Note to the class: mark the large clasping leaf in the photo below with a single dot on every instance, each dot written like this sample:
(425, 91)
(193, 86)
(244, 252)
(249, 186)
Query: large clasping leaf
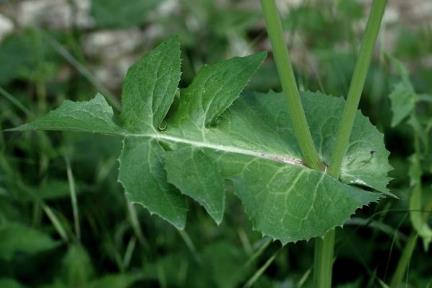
(213, 135)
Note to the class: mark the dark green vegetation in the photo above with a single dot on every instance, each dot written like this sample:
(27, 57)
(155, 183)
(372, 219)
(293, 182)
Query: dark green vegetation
(65, 221)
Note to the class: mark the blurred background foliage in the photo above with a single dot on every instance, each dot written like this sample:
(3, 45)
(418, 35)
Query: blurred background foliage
(64, 221)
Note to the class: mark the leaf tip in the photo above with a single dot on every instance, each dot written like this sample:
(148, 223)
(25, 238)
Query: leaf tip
(24, 127)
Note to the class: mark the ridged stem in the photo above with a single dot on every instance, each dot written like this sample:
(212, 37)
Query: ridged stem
(289, 86)
(324, 247)
(356, 87)
(323, 260)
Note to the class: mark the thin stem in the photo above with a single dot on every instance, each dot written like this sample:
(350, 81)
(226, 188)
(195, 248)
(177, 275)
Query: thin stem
(324, 248)
(404, 261)
(74, 200)
(323, 260)
(356, 87)
(190, 245)
(60, 49)
(41, 93)
(260, 271)
(15, 101)
(289, 86)
(129, 252)
(55, 221)
(135, 222)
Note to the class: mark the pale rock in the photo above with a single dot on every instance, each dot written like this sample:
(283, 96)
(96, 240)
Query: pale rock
(83, 17)
(111, 75)
(6, 26)
(112, 44)
(54, 14)
(168, 7)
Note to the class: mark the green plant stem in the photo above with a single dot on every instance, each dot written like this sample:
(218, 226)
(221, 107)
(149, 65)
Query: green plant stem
(324, 248)
(404, 261)
(323, 259)
(74, 199)
(356, 87)
(260, 271)
(289, 86)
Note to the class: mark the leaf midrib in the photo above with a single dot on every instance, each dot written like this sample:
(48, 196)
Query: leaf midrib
(281, 158)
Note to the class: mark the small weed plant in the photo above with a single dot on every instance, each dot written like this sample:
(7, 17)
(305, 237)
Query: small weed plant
(404, 101)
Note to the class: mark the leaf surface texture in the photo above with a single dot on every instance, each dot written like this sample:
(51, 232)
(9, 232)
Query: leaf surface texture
(213, 135)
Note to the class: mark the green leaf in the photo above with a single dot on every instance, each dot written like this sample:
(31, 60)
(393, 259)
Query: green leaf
(295, 203)
(403, 97)
(403, 100)
(17, 238)
(121, 14)
(114, 281)
(366, 161)
(224, 263)
(214, 89)
(197, 175)
(213, 136)
(9, 283)
(26, 55)
(143, 177)
(48, 190)
(52, 189)
(417, 216)
(94, 116)
(150, 87)
(77, 267)
(418, 220)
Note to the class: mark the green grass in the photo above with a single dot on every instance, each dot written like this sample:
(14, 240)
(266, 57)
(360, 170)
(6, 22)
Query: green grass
(122, 245)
